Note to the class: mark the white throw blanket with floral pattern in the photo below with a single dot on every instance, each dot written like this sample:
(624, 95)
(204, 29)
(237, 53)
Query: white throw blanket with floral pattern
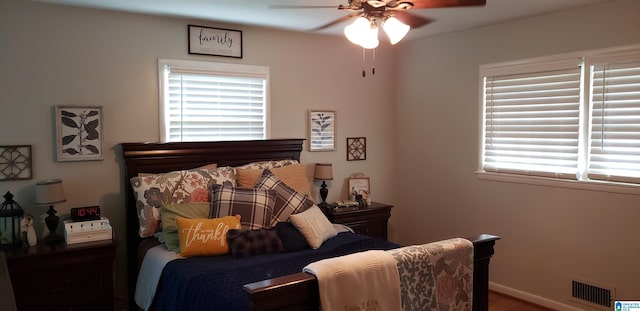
(361, 281)
(436, 276)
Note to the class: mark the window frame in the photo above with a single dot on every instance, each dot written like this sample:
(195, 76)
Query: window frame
(533, 64)
(240, 70)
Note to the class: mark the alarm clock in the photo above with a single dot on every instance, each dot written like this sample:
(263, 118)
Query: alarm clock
(85, 213)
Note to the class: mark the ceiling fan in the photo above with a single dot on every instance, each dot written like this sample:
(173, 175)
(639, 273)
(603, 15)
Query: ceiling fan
(392, 15)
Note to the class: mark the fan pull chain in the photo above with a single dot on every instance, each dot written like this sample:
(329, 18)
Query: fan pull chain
(364, 62)
(373, 62)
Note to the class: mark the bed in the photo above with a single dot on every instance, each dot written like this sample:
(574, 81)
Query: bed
(292, 291)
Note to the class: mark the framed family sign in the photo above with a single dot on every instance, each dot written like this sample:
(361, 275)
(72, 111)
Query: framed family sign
(215, 41)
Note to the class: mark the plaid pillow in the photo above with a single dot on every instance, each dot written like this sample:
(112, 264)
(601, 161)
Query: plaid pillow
(288, 201)
(255, 206)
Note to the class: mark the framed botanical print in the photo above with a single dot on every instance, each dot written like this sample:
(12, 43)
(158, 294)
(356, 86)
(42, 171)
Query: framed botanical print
(356, 148)
(79, 133)
(322, 130)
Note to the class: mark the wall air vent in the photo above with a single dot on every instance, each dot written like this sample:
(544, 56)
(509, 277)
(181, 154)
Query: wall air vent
(597, 296)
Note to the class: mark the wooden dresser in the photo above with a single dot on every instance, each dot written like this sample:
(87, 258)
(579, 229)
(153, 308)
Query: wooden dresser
(370, 220)
(63, 277)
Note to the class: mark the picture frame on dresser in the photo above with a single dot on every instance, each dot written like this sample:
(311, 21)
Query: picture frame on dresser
(361, 185)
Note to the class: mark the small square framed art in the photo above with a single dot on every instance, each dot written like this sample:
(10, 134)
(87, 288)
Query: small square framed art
(356, 148)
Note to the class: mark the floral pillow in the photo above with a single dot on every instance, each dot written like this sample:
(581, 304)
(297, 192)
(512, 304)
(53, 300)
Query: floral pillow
(268, 164)
(176, 187)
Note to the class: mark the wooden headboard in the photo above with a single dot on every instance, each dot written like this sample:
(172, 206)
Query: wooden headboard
(166, 157)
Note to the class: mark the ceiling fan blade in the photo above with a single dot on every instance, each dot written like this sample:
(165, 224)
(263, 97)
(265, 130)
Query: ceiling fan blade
(338, 21)
(294, 6)
(432, 4)
(415, 21)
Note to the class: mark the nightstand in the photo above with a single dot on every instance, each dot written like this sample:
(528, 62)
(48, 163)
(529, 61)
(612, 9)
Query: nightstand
(58, 276)
(370, 220)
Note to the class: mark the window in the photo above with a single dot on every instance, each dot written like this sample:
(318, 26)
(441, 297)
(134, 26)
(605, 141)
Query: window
(573, 117)
(205, 101)
(615, 121)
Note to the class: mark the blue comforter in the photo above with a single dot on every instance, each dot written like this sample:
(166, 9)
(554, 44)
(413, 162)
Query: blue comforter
(215, 283)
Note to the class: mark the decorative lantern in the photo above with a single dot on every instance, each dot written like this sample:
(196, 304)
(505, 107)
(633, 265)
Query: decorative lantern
(10, 217)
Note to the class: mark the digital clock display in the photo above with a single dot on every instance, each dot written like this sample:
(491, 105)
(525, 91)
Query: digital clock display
(85, 213)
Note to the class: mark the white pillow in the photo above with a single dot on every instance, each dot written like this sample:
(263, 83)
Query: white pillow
(314, 226)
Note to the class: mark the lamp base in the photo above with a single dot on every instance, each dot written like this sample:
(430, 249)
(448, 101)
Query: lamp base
(52, 238)
(52, 224)
(323, 194)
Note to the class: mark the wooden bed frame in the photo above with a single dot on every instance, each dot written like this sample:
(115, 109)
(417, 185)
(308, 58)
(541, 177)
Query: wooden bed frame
(292, 292)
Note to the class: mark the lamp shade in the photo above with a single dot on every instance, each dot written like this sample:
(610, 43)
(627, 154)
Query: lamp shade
(395, 29)
(49, 192)
(363, 33)
(354, 31)
(324, 171)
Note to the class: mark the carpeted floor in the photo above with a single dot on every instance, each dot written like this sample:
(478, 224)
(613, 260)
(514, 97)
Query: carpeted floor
(501, 302)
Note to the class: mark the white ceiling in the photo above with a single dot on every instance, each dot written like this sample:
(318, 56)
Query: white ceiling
(258, 12)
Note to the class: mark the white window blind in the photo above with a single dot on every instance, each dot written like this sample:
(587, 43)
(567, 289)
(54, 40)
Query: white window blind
(615, 122)
(532, 122)
(204, 101)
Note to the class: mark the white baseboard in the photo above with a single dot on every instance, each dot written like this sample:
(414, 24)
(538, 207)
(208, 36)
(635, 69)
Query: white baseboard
(541, 301)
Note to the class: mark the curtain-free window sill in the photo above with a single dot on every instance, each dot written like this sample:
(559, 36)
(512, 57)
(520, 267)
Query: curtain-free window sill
(591, 185)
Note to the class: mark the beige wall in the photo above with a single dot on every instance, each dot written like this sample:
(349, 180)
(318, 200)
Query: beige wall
(549, 235)
(55, 55)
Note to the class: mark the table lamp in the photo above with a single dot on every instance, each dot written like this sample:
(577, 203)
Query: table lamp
(50, 192)
(323, 171)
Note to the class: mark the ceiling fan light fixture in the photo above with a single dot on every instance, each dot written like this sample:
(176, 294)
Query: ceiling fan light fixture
(370, 38)
(354, 31)
(363, 33)
(395, 29)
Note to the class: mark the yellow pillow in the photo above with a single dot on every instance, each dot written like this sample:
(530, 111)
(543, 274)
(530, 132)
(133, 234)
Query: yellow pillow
(205, 237)
(168, 214)
(294, 176)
